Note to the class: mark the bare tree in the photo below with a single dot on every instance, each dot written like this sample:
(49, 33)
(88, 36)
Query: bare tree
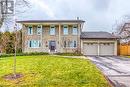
(17, 7)
(21, 6)
(122, 28)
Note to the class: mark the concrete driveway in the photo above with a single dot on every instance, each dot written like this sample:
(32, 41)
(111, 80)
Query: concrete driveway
(117, 69)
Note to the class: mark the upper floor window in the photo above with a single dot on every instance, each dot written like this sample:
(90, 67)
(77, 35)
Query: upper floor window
(39, 29)
(34, 44)
(75, 30)
(30, 30)
(52, 30)
(65, 30)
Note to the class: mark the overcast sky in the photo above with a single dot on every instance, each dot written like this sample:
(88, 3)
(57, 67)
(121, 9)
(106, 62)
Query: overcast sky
(100, 15)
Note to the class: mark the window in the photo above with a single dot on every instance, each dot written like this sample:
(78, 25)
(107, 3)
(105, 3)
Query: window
(30, 30)
(65, 30)
(72, 44)
(75, 30)
(75, 44)
(39, 30)
(52, 30)
(34, 43)
(65, 44)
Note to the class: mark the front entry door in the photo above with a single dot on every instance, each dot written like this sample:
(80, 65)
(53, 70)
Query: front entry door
(52, 45)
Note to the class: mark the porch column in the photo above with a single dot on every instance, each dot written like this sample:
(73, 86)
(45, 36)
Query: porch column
(115, 48)
(98, 48)
(59, 37)
(78, 37)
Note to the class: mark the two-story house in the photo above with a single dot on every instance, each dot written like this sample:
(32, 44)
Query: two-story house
(51, 35)
(63, 36)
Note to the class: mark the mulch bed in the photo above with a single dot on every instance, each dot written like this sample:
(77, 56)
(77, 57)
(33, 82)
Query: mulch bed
(12, 76)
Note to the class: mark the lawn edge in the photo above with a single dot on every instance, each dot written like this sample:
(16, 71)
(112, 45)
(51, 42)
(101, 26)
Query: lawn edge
(111, 84)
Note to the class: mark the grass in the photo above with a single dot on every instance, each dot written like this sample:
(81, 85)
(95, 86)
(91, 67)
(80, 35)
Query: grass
(70, 54)
(51, 71)
(128, 56)
(24, 54)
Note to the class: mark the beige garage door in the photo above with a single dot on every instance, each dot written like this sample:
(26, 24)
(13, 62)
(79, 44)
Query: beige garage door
(106, 49)
(90, 49)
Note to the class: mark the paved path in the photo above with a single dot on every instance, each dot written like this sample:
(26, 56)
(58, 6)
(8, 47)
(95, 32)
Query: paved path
(117, 69)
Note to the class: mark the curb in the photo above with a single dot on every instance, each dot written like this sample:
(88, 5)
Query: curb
(112, 84)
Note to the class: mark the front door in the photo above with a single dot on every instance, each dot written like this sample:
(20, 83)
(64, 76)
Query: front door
(52, 45)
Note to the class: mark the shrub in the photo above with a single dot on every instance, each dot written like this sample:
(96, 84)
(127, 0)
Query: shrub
(70, 54)
(24, 54)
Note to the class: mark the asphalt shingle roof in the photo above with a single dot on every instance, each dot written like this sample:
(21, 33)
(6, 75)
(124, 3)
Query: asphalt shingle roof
(97, 35)
(48, 21)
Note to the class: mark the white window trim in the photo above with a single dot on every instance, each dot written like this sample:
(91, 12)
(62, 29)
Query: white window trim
(52, 28)
(40, 29)
(68, 45)
(73, 30)
(66, 28)
(28, 30)
(33, 40)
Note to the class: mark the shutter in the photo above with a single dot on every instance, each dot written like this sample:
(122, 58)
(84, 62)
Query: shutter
(28, 43)
(31, 30)
(28, 31)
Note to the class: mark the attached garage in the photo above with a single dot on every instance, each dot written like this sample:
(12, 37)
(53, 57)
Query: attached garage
(106, 48)
(92, 48)
(98, 43)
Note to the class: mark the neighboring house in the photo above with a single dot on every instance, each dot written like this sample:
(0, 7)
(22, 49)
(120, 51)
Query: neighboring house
(51, 35)
(98, 43)
(125, 33)
(64, 36)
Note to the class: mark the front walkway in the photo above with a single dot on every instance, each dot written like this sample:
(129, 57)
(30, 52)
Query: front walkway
(117, 69)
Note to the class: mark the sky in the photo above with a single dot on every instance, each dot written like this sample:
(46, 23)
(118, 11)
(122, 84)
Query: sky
(100, 15)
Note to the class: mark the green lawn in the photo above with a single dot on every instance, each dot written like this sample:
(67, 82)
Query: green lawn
(128, 56)
(51, 71)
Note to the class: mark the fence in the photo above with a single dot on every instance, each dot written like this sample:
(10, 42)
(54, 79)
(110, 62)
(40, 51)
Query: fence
(124, 50)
